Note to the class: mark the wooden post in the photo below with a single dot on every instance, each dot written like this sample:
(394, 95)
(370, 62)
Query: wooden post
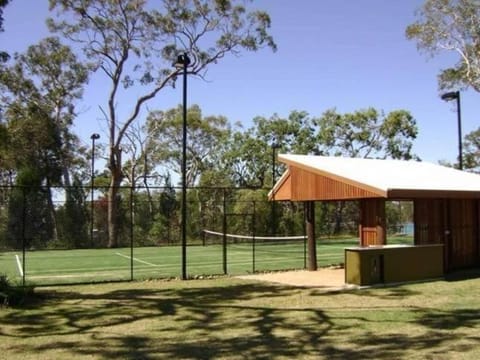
(311, 241)
(372, 222)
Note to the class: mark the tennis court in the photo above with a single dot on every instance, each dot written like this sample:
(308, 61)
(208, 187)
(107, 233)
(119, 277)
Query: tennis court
(47, 267)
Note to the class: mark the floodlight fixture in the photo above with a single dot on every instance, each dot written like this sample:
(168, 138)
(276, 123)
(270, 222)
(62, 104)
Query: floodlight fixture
(449, 96)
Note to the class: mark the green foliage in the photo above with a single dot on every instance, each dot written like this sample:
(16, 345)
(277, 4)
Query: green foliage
(250, 213)
(451, 26)
(206, 138)
(39, 89)
(74, 219)
(248, 159)
(398, 213)
(12, 295)
(3, 3)
(34, 146)
(471, 151)
(367, 133)
(245, 160)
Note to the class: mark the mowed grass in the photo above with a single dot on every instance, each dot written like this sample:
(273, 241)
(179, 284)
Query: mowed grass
(229, 318)
(48, 267)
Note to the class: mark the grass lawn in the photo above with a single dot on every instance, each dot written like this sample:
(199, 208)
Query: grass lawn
(228, 318)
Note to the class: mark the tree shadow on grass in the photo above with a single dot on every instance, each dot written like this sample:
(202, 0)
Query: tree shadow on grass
(386, 292)
(237, 321)
(451, 320)
(209, 321)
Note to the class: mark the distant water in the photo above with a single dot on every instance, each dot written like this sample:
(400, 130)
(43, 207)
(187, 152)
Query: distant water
(408, 228)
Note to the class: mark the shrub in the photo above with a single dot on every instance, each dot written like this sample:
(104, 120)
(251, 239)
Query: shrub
(11, 295)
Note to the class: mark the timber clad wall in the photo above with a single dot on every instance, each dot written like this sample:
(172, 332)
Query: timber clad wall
(429, 218)
(463, 234)
(452, 222)
(306, 185)
(284, 192)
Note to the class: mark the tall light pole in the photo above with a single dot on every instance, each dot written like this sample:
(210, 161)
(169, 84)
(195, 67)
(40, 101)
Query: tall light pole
(182, 63)
(94, 137)
(455, 95)
(274, 215)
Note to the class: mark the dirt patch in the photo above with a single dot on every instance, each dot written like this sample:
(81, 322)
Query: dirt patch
(325, 278)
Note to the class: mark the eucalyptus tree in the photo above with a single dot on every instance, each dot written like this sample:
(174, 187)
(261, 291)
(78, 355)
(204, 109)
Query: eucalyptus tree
(367, 133)
(34, 145)
(209, 135)
(451, 26)
(139, 171)
(3, 3)
(3, 54)
(49, 78)
(245, 160)
(471, 149)
(134, 42)
(294, 134)
(39, 89)
(250, 161)
(250, 154)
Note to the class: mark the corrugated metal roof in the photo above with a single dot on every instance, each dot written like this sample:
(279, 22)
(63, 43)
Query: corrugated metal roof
(388, 175)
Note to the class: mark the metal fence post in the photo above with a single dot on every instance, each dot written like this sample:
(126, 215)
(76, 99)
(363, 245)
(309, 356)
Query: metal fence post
(224, 233)
(24, 240)
(304, 238)
(131, 233)
(253, 238)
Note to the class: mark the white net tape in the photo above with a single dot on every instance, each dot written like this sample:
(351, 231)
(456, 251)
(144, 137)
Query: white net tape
(250, 237)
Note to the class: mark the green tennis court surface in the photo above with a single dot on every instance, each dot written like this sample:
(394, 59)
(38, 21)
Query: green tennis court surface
(93, 265)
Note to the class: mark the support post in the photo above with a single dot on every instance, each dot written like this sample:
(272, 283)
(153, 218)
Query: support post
(311, 241)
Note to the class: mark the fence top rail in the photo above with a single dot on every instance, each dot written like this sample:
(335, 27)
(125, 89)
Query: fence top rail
(237, 236)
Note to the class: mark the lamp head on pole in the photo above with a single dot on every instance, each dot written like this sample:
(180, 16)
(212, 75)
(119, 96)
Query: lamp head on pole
(453, 95)
(95, 136)
(182, 61)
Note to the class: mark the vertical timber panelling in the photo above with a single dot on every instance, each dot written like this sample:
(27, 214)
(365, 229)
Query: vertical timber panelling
(302, 184)
(372, 222)
(429, 219)
(464, 247)
(431, 225)
(306, 186)
(284, 192)
(477, 230)
(452, 222)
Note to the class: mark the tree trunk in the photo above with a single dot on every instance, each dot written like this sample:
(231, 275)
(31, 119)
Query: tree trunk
(339, 206)
(117, 176)
(149, 199)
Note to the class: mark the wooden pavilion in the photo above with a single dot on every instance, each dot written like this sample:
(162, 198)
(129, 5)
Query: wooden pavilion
(446, 201)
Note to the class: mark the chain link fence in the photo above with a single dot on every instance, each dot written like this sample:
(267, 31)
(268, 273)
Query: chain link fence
(60, 235)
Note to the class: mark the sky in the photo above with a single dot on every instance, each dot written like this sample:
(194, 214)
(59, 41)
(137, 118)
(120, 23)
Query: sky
(342, 54)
